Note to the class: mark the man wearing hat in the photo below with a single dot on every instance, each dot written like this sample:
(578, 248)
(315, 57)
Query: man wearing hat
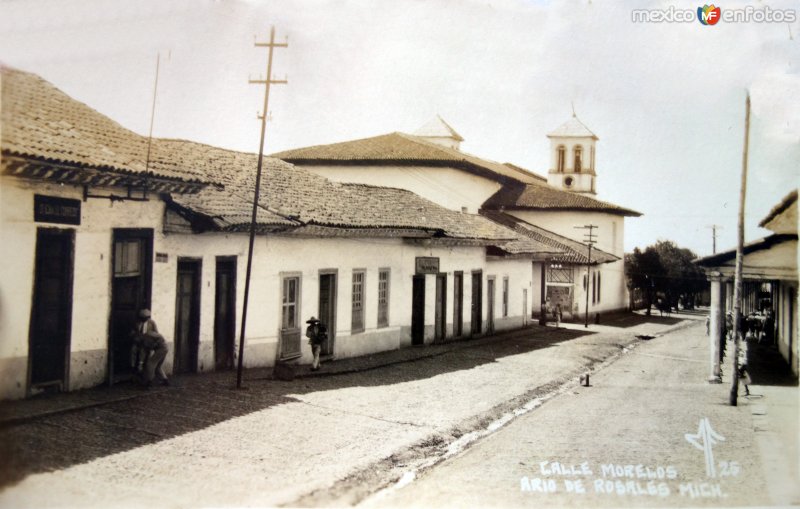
(149, 349)
(316, 334)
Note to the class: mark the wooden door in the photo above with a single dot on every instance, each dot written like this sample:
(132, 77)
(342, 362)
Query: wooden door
(130, 292)
(477, 303)
(440, 315)
(187, 316)
(225, 313)
(51, 314)
(458, 303)
(418, 311)
(490, 306)
(327, 310)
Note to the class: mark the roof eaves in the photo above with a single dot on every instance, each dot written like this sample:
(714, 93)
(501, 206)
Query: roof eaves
(778, 209)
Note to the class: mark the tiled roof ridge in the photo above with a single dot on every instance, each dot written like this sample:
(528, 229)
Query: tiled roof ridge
(590, 203)
(526, 171)
(281, 154)
(590, 198)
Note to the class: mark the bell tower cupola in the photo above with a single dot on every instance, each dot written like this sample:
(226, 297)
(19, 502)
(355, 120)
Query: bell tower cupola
(438, 131)
(572, 148)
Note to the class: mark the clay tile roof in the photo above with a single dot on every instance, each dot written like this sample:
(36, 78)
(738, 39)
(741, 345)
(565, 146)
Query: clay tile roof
(43, 123)
(438, 128)
(536, 240)
(404, 149)
(404, 208)
(544, 197)
(291, 196)
(572, 128)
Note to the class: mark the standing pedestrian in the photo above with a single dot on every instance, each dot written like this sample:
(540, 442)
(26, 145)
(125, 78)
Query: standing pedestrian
(316, 334)
(558, 315)
(149, 350)
(744, 377)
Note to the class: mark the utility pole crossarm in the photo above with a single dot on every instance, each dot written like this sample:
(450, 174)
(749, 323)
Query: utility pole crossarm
(256, 191)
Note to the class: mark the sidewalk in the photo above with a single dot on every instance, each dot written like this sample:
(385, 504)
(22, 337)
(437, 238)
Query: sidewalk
(16, 412)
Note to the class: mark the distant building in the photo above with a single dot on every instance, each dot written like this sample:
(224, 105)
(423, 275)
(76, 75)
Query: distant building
(545, 211)
(91, 232)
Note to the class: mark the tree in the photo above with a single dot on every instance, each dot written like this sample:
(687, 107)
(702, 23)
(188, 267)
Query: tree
(666, 269)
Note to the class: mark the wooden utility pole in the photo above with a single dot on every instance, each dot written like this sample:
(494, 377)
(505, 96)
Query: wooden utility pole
(737, 285)
(714, 228)
(267, 82)
(590, 239)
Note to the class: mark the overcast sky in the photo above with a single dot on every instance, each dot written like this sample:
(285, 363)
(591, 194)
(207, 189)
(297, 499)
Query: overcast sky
(666, 99)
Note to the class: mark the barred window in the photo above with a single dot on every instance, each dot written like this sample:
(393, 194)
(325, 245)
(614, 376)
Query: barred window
(558, 274)
(383, 298)
(598, 287)
(358, 301)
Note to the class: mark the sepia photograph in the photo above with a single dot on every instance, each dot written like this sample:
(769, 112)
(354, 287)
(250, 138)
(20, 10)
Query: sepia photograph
(399, 254)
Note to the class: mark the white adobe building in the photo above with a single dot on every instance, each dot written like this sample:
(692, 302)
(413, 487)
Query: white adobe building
(543, 210)
(91, 232)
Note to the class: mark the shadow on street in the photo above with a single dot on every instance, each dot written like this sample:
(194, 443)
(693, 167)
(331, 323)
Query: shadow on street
(54, 442)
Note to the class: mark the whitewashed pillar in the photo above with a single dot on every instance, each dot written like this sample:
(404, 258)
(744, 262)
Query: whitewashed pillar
(716, 326)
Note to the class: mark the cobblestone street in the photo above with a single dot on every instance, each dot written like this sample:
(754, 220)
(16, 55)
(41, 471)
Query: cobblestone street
(203, 443)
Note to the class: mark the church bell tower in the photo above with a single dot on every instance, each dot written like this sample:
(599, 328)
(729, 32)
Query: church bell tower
(572, 148)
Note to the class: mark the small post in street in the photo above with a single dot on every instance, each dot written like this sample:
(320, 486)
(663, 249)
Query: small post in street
(590, 239)
(737, 284)
(267, 82)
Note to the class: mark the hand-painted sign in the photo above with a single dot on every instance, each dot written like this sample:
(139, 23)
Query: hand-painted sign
(51, 209)
(427, 265)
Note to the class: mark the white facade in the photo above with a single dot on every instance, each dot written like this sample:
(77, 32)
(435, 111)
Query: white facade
(611, 293)
(275, 257)
(449, 187)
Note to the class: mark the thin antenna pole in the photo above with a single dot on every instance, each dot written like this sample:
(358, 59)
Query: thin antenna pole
(737, 284)
(268, 81)
(152, 119)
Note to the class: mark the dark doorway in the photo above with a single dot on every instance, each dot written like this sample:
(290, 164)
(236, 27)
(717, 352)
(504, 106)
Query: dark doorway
(187, 316)
(225, 313)
(458, 303)
(51, 314)
(132, 264)
(490, 306)
(440, 315)
(327, 310)
(418, 311)
(477, 303)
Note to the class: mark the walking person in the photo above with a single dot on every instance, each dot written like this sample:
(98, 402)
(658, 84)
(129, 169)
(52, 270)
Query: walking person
(557, 312)
(149, 350)
(316, 334)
